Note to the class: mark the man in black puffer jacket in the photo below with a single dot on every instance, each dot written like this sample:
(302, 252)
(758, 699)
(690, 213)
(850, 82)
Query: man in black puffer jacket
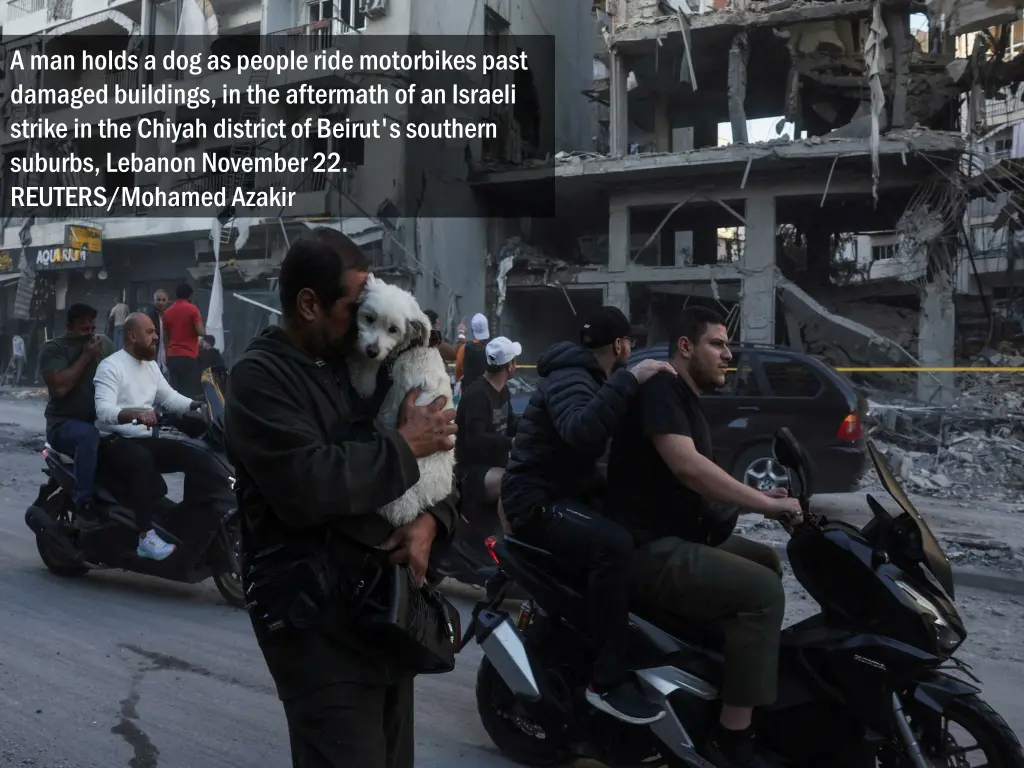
(551, 488)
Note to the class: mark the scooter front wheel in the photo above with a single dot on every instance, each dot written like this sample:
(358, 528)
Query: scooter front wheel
(511, 729)
(227, 570)
(969, 725)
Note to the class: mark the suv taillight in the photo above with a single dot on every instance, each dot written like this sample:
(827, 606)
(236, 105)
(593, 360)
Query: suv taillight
(491, 541)
(851, 429)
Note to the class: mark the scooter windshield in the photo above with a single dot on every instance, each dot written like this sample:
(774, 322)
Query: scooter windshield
(935, 558)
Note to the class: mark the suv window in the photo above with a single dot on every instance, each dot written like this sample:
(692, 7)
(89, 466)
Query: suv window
(790, 378)
(741, 380)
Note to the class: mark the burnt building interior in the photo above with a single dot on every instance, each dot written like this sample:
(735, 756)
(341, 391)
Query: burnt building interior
(661, 213)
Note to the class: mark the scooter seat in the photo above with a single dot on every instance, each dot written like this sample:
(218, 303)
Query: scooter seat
(543, 563)
(63, 457)
(536, 555)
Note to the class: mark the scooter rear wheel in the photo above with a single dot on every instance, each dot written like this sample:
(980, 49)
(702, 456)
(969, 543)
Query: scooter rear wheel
(56, 560)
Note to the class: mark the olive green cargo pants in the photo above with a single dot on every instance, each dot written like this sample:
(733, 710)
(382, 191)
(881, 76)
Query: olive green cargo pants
(738, 583)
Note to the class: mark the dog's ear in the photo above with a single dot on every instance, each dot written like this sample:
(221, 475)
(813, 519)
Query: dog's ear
(370, 282)
(418, 329)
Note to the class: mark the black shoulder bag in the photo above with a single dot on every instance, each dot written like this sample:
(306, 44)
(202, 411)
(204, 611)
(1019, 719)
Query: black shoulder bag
(415, 626)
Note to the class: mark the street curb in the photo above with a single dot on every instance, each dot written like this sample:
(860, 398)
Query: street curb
(973, 578)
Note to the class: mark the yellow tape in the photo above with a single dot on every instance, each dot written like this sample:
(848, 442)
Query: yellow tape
(960, 369)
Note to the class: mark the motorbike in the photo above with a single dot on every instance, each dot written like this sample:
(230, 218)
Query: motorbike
(870, 680)
(205, 525)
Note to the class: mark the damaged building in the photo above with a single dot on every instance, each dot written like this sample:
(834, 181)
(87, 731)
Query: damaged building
(659, 212)
(382, 195)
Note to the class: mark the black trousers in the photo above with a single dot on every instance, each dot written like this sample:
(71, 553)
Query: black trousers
(132, 468)
(353, 725)
(185, 376)
(604, 549)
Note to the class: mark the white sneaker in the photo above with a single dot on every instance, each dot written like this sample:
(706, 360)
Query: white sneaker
(152, 547)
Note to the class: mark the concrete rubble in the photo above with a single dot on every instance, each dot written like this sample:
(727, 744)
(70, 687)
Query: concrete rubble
(972, 450)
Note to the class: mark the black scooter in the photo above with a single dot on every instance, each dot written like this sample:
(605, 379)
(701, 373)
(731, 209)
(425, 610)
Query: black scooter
(205, 525)
(869, 681)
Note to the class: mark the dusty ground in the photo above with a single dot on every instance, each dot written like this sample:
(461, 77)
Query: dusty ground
(981, 535)
(117, 670)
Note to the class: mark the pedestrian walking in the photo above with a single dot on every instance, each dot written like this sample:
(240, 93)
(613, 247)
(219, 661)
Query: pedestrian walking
(156, 314)
(118, 314)
(18, 357)
(183, 326)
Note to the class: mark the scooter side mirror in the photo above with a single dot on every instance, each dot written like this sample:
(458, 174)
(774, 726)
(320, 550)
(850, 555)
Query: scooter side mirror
(787, 450)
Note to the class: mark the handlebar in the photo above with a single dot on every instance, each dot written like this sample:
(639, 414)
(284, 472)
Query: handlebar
(169, 419)
(163, 420)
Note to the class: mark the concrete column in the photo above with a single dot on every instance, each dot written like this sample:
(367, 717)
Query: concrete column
(937, 339)
(662, 126)
(618, 111)
(618, 296)
(618, 236)
(757, 302)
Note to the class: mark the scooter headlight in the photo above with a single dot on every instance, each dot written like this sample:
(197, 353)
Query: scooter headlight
(946, 637)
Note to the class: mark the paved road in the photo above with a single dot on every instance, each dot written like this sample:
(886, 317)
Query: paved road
(117, 670)
(120, 670)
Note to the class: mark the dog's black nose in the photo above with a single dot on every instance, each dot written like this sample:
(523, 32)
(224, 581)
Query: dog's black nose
(372, 350)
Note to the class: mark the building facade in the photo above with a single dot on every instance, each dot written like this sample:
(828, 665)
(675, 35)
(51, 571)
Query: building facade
(443, 258)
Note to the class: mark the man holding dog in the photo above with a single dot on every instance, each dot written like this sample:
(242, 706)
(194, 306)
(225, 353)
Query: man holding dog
(311, 476)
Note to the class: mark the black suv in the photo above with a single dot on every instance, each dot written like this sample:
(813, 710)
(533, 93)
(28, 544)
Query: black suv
(768, 388)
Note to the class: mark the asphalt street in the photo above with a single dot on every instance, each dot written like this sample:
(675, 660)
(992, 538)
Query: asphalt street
(116, 670)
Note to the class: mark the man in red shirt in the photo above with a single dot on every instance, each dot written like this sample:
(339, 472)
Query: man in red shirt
(183, 326)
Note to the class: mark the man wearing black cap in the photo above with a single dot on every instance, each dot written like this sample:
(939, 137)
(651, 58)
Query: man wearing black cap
(552, 486)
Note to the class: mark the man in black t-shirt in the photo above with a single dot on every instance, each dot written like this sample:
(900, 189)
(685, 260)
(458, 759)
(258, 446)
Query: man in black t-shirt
(68, 364)
(681, 509)
(486, 428)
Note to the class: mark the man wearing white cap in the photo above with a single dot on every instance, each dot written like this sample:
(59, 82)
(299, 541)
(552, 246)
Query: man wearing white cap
(486, 428)
(471, 361)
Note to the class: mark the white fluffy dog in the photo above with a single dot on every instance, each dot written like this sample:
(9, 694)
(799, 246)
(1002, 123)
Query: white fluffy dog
(394, 331)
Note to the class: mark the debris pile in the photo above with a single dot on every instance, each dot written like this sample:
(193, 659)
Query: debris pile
(965, 549)
(972, 450)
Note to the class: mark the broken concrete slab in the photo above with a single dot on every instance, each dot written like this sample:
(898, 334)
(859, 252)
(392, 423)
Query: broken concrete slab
(960, 17)
(858, 343)
(651, 23)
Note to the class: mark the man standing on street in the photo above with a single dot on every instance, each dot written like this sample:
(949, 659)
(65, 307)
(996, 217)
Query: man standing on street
(487, 426)
(449, 352)
(183, 326)
(118, 314)
(311, 475)
(68, 364)
(471, 361)
(155, 311)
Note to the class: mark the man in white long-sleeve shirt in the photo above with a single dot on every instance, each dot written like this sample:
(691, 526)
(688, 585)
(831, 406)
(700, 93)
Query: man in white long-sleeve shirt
(129, 387)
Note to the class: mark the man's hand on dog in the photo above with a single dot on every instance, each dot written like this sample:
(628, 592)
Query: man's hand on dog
(426, 428)
(410, 545)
